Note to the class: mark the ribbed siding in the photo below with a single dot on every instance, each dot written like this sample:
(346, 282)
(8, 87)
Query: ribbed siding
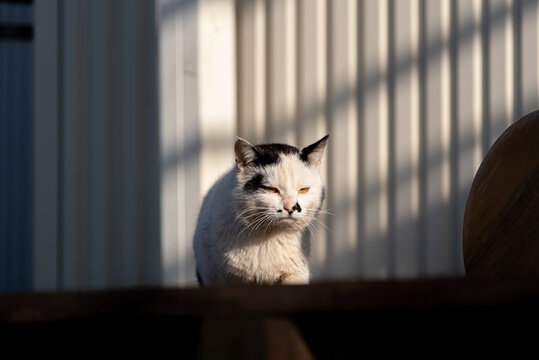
(107, 217)
(412, 93)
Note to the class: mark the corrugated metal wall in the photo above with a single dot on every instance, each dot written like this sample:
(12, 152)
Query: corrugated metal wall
(180, 142)
(413, 93)
(16, 51)
(151, 95)
(97, 154)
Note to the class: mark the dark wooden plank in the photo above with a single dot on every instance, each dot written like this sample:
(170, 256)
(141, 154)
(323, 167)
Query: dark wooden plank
(266, 300)
(321, 321)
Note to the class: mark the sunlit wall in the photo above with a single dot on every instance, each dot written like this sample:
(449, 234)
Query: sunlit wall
(144, 99)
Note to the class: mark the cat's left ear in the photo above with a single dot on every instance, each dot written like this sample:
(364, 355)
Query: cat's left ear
(245, 152)
(312, 154)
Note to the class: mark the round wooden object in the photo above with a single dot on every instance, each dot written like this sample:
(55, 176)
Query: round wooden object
(501, 221)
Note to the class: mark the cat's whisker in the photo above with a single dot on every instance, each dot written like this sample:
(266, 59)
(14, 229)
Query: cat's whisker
(316, 211)
(315, 231)
(258, 218)
(259, 222)
(270, 220)
(315, 234)
(251, 224)
(242, 213)
(324, 225)
(269, 223)
(245, 228)
(251, 208)
(312, 231)
(250, 217)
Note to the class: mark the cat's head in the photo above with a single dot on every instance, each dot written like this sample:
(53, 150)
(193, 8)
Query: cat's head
(278, 185)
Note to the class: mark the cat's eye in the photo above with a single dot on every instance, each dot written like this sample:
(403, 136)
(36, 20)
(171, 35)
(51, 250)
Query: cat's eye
(303, 190)
(272, 190)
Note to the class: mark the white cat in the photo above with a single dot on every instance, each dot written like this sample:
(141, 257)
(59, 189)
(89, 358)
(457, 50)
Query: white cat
(251, 222)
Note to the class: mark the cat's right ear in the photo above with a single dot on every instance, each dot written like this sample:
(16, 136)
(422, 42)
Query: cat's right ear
(312, 154)
(245, 152)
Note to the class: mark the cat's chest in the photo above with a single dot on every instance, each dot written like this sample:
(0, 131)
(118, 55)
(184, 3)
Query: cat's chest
(266, 260)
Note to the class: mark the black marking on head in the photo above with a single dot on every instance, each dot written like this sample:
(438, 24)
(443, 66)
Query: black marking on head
(254, 184)
(297, 207)
(269, 154)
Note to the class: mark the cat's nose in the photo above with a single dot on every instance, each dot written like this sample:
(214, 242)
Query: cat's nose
(290, 209)
(289, 202)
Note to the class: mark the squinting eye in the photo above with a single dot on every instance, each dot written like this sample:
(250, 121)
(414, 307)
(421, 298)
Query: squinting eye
(272, 190)
(303, 190)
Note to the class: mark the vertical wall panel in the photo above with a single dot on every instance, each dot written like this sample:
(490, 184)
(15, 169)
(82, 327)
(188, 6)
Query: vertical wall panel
(95, 151)
(281, 70)
(16, 152)
(122, 63)
(217, 88)
(27, 174)
(4, 188)
(479, 75)
(374, 260)
(3, 165)
(149, 133)
(182, 144)
(467, 118)
(169, 75)
(197, 176)
(179, 137)
(127, 251)
(45, 205)
(500, 76)
(12, 57)
(217, 104)
(404, 142)
(251, 69)
(71, 234)
(312, 107)
(343, 252)
(530, 56)
(437, 115)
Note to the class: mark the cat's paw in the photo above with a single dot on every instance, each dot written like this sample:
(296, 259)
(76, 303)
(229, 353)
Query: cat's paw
(292, 279)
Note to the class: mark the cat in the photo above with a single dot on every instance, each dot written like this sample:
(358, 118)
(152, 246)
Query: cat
(251, 222)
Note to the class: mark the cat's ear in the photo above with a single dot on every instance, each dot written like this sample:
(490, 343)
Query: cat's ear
(312, 154)
(245, 152)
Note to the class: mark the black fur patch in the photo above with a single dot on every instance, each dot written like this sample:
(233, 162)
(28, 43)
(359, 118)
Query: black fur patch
(269, 154)
(254, 184)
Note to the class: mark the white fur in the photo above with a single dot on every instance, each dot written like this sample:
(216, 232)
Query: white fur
(242, 238)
